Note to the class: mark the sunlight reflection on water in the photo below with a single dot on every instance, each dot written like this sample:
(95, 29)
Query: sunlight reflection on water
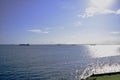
(97, 51)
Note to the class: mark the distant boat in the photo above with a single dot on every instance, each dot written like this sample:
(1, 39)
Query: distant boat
(59, 44)
(24, 44)
(73, 44)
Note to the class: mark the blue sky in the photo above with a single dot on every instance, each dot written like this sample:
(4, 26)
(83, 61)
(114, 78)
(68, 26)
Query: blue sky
(59, 21)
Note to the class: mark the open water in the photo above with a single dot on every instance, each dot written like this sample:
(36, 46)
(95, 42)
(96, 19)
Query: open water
(53, 62)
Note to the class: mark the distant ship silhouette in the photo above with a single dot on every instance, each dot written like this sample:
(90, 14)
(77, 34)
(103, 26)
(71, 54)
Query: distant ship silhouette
(24, 44)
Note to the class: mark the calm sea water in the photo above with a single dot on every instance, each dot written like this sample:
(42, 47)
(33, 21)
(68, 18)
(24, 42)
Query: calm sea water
(49, 62)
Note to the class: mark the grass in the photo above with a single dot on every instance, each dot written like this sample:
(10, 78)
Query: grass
(105, 77)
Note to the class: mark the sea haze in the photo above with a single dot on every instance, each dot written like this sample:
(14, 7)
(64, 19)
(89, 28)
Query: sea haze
(51, 62)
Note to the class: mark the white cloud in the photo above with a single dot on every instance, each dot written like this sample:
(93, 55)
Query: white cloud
(45, 32)
(101, 3)
(118, 11)
(38, 31)
(115, 32)
(99, 7)
(92, 11)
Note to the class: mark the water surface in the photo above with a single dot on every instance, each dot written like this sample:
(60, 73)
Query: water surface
(47, 62)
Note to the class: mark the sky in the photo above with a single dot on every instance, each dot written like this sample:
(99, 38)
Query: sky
(59, 21)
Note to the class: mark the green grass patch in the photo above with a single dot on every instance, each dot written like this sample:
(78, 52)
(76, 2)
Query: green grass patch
(105, 77)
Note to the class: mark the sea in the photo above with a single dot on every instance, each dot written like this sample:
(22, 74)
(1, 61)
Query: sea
(53, 62)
